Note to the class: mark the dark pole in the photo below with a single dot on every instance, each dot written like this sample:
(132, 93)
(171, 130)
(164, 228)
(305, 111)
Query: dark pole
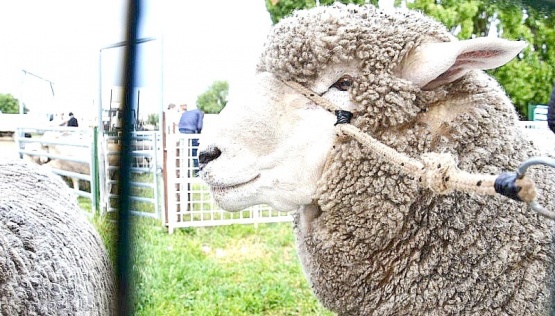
(125, 253)
(551, 111)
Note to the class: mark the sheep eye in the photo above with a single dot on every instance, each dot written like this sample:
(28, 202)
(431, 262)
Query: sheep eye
(344, 83)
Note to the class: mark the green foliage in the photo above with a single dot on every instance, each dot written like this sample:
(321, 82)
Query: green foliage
(279, 9)
(214, 99)
(153, 119)
(8, 104)
(528, 79)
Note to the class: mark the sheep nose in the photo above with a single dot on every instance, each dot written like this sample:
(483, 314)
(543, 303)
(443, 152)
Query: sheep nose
(205, 156)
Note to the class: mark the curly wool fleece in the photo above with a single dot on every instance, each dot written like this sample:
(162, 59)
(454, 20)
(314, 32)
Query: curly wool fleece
(52, 261)
(375, 242)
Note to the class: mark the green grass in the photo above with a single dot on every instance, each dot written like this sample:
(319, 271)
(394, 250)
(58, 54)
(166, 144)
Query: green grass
(226, 270)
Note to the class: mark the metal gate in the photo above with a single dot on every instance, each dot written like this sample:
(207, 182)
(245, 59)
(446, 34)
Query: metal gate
(146, 173)
(68, 151)
(189, 202)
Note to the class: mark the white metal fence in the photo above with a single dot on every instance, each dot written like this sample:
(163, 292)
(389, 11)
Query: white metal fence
(68, 152)
(189, 202)
(145, 169)
(163, 173)
(92, 158)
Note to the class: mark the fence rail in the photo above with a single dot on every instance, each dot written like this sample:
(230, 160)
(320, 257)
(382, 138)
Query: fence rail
(190, 203)
(57, 144)
(146, 173)
(164, 172)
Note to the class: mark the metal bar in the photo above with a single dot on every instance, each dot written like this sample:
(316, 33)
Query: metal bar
(94, 171)
(70, 174)
(124, 43)
(72, 144)
(55, 156)
(124, 249)
(156, 184)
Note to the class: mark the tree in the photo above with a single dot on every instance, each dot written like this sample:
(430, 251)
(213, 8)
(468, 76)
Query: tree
(153, 119)
(279, 9)
(527, 79)
(214, 99)
(8, 104)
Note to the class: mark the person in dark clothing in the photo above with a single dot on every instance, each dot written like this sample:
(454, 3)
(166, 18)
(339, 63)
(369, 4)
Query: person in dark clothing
(551, 111)
(72, 120)
(191, 122)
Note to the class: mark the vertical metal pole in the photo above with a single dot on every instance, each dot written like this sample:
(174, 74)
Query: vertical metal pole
(125, 251)
(136, 119)
(154, 135)
(17, 136)
(162, 130)
(165, 169)
(100, 124)
(95, 181)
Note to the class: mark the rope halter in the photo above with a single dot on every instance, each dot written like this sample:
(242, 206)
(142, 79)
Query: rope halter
(439, 172)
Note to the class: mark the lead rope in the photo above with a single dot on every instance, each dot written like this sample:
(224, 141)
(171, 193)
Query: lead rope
(439, 172)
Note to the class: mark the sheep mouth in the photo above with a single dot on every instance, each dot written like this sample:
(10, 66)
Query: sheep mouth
(233, 187)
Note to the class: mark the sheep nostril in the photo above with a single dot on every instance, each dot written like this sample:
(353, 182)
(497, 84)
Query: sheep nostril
(208, 155)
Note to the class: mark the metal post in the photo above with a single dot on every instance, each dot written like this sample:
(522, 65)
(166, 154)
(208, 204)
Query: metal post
(165, 169)
(125, 251)
(95, 179)
(155, 151)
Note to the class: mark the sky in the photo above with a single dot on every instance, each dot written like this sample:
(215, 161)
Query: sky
(65, 42)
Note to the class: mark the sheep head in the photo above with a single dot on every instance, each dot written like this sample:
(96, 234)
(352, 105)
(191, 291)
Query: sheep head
(390, 70)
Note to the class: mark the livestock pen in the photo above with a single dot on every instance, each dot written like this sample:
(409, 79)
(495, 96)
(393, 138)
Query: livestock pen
(70, 152)
(90, 160)
(189, 202)
(165, 179)
(165, 183)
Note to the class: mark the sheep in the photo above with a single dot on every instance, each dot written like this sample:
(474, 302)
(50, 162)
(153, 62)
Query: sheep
(63, 144)
(53, 262)
(373, 240)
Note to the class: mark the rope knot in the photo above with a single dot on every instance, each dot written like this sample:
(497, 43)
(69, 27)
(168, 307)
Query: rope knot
(436, 171)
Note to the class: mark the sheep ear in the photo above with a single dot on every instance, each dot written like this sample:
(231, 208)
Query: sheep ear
(433, 64)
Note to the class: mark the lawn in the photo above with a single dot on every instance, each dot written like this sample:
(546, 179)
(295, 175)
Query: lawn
(225, 270)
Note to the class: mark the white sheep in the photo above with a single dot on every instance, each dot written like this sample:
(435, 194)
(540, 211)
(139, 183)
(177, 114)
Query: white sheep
(52, 261)
(371, 239)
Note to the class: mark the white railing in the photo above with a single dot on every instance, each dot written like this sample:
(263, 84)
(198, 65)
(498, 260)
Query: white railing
(189, 202)
(68, 151)
(185, 200)
(145, 173)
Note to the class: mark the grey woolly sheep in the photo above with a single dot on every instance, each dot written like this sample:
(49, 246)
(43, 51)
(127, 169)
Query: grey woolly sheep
(372, 240)
(52, 261)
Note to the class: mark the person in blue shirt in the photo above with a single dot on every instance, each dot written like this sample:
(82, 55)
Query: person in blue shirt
(191, 123)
